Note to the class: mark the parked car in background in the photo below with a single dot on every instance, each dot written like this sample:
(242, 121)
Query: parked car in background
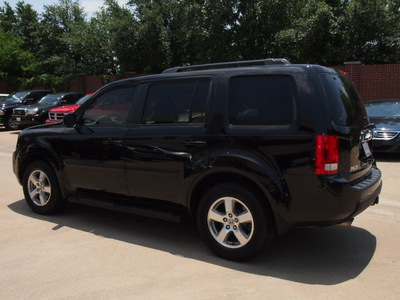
(35, 114)
(386, 116)
(3, 97)
(57, 114)
(17, 100)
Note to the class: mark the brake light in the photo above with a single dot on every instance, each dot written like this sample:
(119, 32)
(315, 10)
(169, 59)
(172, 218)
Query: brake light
(326, 155)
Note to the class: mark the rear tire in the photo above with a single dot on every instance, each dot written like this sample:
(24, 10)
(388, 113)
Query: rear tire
(232, 221)
(41, 189)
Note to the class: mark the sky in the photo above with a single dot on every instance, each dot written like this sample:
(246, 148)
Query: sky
(90, 6)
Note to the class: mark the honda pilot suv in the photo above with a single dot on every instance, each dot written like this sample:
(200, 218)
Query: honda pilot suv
(248, 149)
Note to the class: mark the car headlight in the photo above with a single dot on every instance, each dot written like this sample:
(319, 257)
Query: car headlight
(1, 112)
(32, 111)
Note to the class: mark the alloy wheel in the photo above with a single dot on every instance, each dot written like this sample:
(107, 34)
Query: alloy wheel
(39, 188)
(230, 222)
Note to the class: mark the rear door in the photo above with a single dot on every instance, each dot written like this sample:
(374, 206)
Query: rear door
(170, 145)
(349, 119)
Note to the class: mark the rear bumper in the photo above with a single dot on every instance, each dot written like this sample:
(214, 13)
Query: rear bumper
(331, 199)
(369, 189)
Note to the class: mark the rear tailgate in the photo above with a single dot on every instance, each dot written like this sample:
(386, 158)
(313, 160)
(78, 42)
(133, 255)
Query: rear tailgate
(350, 123)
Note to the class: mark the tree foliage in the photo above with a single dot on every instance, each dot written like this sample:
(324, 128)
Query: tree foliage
(147, 36)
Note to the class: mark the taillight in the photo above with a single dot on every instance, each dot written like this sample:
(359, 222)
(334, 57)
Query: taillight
(326, 155)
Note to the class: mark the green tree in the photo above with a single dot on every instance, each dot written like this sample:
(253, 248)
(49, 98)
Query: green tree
(152, 35)
(26, 25)
(16, 63)
(371, 31)
(153, 52)
(258, 22)
(57, 57)
(91, 42)
(309, 38)
(120, 30)
(7, 18)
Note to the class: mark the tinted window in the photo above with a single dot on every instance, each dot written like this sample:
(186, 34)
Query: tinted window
(83, 99)
(179, 102)
(260, 100)
(37, 96)
(345, 103)
(111, 108)
(70, 99)
(50, 99)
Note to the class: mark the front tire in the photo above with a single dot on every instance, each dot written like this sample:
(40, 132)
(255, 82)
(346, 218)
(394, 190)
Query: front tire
(9, 123)
(41, 189)
(233, 222)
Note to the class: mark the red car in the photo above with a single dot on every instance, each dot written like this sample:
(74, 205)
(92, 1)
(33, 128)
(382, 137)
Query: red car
(57, 114)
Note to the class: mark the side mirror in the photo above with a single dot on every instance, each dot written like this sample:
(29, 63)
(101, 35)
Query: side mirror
(69, 120)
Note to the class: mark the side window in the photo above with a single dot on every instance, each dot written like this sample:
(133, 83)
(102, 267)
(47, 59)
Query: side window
(177, 102)
(68, 99)
(73, 98)
(261, 100)
(111, 108)
(37, 97)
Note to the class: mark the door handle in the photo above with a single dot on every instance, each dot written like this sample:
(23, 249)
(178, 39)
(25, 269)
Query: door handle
(193, 143)
(117, 143)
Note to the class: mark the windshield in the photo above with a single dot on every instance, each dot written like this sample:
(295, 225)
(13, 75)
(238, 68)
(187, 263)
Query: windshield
(83, 99)
(17, 97)
(50, 99)
(383, 109)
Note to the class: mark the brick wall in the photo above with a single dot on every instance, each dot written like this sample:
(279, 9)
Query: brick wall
(374, 82)
(5, 88)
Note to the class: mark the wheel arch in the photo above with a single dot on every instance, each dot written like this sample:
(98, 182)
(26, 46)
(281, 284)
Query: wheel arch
(236, 177)
(40, 154)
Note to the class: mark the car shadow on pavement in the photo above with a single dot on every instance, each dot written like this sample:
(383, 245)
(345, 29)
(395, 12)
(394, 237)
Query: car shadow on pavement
(325, 256)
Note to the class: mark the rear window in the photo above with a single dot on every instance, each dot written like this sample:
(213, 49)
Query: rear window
(261, 100)
(345, 104)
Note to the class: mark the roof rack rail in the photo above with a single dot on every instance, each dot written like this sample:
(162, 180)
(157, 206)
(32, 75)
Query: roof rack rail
(233, 64)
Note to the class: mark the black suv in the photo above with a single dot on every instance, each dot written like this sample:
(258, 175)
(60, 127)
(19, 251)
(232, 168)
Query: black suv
(249, 149)
(34, 114)
(16, 100)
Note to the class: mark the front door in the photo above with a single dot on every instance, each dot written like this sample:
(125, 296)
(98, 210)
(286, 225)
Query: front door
(93, 151)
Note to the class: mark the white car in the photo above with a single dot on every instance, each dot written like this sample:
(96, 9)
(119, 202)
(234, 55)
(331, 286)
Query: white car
(3, 96)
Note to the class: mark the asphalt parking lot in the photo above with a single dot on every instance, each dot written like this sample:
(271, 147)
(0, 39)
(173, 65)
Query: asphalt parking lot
(87, 253)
